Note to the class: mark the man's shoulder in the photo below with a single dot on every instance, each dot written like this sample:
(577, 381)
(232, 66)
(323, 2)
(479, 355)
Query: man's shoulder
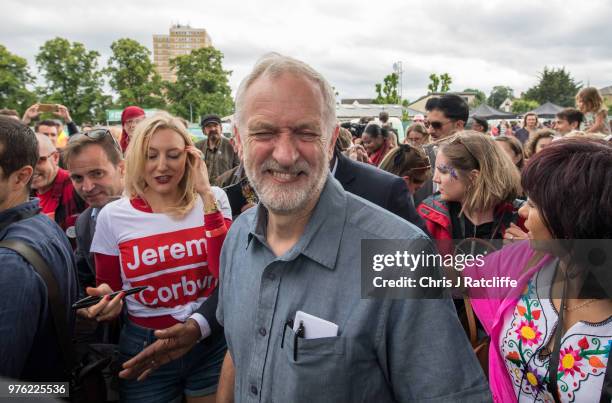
(84, 217)
(365, 171)
(44, 236)
(373, 221)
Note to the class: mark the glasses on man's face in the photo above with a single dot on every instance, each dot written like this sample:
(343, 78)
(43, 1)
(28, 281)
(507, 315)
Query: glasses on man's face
(438, 125)
(43, 158)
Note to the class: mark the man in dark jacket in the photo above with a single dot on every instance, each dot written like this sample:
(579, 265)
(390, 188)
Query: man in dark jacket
(29, 348)
(377, 186)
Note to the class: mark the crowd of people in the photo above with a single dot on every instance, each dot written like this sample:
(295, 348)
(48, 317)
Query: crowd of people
(229, 269)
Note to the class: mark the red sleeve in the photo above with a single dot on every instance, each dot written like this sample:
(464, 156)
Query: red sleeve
(215, 227)
(108, 270)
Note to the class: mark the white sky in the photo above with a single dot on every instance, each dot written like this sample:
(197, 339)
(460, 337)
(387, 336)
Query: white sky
(353, 43)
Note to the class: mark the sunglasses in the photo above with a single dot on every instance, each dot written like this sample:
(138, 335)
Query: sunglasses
(101, 134)
(437, 125)
(457, 140)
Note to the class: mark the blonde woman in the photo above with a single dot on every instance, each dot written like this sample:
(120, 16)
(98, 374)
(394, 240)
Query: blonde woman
(477, 190)
(165, 234)
(591, 104)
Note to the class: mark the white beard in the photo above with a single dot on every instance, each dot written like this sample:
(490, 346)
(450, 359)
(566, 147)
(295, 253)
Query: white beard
(291, 197)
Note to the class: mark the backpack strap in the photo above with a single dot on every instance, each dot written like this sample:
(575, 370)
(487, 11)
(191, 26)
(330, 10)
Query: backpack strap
(58, 314)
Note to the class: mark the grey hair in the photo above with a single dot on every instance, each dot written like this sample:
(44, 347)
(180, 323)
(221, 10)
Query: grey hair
(273, 65)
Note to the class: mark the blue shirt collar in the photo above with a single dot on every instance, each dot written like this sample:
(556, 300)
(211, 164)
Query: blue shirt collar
(321, 238)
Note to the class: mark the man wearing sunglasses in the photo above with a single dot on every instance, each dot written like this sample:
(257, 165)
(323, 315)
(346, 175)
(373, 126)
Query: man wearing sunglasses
(95, 163)
(53, 187)
(446, 115)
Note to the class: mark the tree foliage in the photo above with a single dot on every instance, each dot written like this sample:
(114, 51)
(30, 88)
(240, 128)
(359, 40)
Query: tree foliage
(498, 95)
(72, 79)
(445, 81)
(201, 84)
(523, 105)
(14, 81)
(556, 86)
(480, 98)
(434, 82)
(439, 83)
(387, 91)
(132, 75)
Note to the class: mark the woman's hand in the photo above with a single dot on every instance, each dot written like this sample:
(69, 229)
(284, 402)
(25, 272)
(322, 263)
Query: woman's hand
(106, 309)
(202, 184)
(515, 233)
(357, 153)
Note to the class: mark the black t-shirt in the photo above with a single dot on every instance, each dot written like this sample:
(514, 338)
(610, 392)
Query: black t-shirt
(462, 228)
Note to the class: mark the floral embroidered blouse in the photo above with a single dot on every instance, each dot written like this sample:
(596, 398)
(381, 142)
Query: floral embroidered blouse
(584, 353)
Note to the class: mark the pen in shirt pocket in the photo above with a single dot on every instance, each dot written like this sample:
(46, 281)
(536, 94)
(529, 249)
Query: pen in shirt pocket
(299, 333)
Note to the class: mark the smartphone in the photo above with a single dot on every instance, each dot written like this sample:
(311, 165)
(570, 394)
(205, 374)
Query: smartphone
(90, 301)
(47, 108)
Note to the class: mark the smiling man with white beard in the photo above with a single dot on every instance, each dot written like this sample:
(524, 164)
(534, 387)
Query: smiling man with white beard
(291, 266)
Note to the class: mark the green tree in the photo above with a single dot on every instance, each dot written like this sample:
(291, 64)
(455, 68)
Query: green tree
(523, 105)
(133, 76)
(72, 79)
(201, 85)
(498, 94)
(387, 92)
(480, 98)
(555, 85)
(445, 81)
(14, 81)
(434, 82)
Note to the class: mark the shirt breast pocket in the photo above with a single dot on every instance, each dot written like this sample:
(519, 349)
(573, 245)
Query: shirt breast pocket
(309, 366)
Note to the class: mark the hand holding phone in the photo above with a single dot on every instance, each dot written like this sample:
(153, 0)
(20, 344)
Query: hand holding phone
(47, 108)
(93, 300)
(104, 308)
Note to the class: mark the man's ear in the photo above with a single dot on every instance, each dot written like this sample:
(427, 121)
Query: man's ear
(238, 141)
(56, 157)
(574, 125)
(332, 143)
(460, 124)
(20, 178)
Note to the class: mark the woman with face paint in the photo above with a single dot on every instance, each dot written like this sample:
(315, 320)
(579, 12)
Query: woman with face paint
(477, 185)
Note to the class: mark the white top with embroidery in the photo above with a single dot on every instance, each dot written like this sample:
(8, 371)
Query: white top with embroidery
(529, 328)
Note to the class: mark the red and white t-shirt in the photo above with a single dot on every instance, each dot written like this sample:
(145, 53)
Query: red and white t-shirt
(166, 254)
